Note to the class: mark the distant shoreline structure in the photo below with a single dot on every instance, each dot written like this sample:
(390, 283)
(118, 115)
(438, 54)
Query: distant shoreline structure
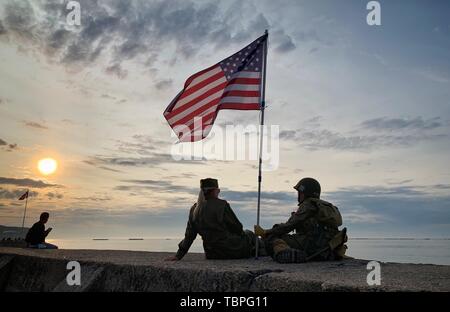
(12, 232)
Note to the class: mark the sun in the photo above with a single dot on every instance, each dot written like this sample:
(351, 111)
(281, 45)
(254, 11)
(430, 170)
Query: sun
(47, 166)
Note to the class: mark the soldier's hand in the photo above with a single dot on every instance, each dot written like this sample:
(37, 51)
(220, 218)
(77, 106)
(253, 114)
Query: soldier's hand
(259, 231)
(172, 258)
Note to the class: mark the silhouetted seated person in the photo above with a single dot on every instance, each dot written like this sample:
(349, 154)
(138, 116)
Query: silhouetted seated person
(222, 233)
(36, 235)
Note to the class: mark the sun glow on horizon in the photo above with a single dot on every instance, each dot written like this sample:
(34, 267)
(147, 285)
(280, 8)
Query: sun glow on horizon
(47, 166)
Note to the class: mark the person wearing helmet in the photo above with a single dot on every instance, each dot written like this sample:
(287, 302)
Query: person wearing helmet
(316, 225)
(222, 232)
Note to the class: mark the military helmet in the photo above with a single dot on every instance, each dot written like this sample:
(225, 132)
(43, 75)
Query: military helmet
(308, 186)
(209, 183)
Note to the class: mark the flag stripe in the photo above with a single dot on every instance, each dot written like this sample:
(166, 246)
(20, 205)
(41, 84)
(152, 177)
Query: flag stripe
(187, 121)
(208, 95)
(242, 87)
(192, 109)
(207, 110)
(246, 74)
(193, 96)
(188, 118)
(241, 93)
(239, 99)
(205, 75)
(238, 106)
(245, 81)
(205, 83)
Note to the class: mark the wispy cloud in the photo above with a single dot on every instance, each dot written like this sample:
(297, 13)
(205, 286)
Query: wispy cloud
(378, 132)
(393, 124)
(116, 70)
(155, 185)
(95, 163)
(14, 194)
(94, 198)
(435, 75)
(397, 182)
(326, 139)
(155, 159)
(26, 182)
(2, 32)
(283, 42)
(164, 84)
(141, 145)
(9, 147)
(139, 151)
(52, 195)
(35, 125)
(120, 30)
(108, 97)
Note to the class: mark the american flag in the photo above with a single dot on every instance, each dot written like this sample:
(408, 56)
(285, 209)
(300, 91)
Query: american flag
(234, 83)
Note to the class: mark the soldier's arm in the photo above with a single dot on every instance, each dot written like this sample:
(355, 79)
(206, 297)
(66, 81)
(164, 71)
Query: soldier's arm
(189, 237)
(294, 221)
(231, 221)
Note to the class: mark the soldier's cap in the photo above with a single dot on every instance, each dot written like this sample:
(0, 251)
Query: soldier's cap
(209, 183)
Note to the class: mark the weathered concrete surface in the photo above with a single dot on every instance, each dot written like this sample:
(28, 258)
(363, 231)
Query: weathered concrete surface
(104, 270)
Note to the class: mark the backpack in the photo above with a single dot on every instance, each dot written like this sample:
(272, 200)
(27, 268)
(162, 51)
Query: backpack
(327, 213)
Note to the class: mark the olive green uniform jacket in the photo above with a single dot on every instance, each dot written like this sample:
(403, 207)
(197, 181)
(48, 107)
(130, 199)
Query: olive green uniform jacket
(310, 235)
(222, 233)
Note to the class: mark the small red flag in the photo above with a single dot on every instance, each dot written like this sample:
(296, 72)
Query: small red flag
(24, 196)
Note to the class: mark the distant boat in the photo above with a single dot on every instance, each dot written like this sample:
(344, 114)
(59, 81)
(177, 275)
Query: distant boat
(100, 239)
(135, 239)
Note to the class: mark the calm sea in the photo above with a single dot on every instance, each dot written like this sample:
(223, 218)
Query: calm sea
(432, 251)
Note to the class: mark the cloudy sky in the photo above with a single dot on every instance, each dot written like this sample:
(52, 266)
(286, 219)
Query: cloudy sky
(364, 109)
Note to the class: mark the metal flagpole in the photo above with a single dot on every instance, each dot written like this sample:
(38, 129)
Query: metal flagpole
(261, 132)
(25, 211)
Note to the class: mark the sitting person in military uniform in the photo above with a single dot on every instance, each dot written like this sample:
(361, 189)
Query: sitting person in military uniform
(315, 222)
(222, 233)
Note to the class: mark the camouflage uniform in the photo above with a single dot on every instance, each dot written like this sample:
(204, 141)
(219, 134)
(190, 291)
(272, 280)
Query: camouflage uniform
(222, 233)
(311, 235)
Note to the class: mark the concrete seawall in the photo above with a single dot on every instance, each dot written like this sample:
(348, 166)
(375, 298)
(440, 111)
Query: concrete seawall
(105, 270)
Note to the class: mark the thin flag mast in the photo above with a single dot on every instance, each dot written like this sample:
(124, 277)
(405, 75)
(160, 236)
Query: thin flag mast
(261, 132)
(25, 210)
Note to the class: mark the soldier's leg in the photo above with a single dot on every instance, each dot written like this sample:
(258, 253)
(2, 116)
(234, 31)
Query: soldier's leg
(286, 249)
(280, 242)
